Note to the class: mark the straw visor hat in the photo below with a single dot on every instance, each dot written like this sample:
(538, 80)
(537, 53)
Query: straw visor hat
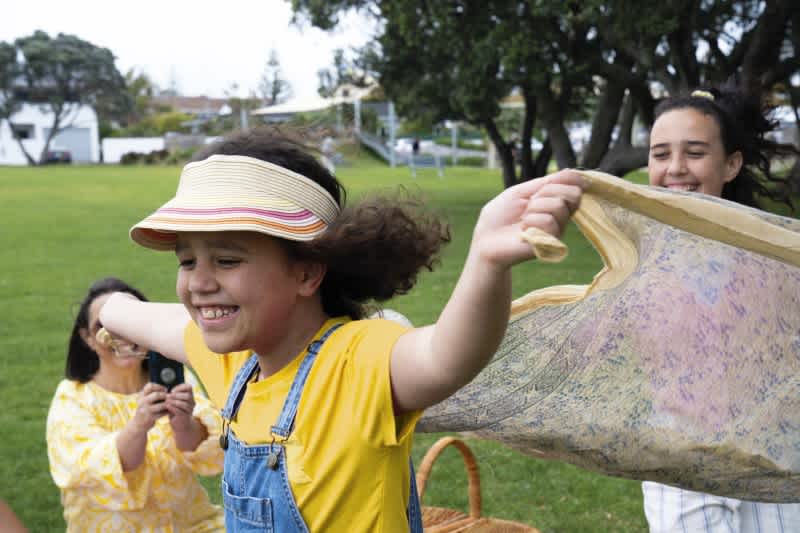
(239, 193)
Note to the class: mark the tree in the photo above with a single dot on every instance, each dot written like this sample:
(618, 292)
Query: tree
(60, 75)
(9, 75)
(141, 90)
(345, 71)
(274, 88)
(596, 59)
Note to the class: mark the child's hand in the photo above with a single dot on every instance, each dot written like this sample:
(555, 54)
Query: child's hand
(545, 203)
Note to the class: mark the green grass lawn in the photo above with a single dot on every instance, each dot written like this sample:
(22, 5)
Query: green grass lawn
(63, 227)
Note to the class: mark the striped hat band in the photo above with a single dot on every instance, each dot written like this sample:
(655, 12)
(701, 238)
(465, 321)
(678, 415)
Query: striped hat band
(239, 193)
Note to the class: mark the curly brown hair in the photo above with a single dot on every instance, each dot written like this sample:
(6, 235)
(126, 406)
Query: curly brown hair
(375, 248)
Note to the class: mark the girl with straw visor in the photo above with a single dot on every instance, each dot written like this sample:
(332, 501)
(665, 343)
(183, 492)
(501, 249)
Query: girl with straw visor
(319, 406)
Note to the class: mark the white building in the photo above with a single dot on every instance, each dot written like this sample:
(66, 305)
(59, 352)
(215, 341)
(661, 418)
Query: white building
(80, 137)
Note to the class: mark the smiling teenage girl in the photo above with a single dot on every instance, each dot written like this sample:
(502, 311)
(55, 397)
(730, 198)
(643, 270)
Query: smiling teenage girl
(714, 142)
(273, 276)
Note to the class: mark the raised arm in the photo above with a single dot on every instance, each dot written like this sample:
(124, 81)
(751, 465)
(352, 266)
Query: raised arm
(156, 326)
(431, 363)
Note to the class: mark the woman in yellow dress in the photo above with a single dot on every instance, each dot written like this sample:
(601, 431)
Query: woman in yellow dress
(124, 452)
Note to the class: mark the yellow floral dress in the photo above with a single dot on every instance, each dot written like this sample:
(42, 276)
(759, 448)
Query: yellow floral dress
(162, 495)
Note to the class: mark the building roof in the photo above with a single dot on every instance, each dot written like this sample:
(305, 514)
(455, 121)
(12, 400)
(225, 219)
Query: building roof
(345, 93)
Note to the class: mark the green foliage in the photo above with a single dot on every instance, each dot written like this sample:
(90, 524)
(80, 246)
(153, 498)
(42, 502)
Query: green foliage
(370, 120)
(274, 88)
(47, 268)
(68, 69)
(141, 90)
(470, 161)
(61, 73)
(466, 144)
(158, 157)
(9, 71)
(155, 125)
(570, 60)
(345, 71)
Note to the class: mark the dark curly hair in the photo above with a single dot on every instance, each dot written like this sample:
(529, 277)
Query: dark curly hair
(373, 251)
(744, 123)
(82, 361)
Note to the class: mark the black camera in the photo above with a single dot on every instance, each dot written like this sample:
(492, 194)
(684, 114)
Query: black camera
(164, 371)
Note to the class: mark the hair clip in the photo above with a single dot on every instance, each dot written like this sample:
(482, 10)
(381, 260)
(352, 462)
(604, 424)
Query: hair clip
(703, 94)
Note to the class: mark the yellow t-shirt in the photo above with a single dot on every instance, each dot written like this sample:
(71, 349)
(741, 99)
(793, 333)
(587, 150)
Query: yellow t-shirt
(347, 456)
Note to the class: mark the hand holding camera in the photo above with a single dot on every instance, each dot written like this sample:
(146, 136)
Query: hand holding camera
(151, 407)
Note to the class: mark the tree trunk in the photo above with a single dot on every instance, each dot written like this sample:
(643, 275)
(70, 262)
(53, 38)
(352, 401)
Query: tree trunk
(543, 159)
(553, 118)
(53, 132)
(625, 136)
(764, 50)
(645, 103)
(793, 179)
(682, 48)
(529, 118)
(14, 134)
(622, 159)
(505, 153)
(605, 118)
(60, 112)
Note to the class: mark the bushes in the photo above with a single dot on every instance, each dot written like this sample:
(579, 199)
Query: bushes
(155, 125)
(471, 161)
(462, 143)
(157, 157)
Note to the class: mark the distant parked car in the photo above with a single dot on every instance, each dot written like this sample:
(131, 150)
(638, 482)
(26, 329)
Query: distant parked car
(57, 156)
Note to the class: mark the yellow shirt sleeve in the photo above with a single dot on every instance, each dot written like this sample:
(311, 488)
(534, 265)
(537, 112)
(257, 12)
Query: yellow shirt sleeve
(83, 454)
(369, 354)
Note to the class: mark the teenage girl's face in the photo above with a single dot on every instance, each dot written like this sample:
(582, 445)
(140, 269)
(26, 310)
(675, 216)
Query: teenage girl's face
(239, 287)
(686, 153)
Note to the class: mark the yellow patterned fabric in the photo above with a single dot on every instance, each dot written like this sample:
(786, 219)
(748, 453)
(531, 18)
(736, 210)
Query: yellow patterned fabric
(162, 495)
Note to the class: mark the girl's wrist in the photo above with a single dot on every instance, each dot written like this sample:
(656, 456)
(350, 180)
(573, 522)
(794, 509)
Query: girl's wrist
(137, 429)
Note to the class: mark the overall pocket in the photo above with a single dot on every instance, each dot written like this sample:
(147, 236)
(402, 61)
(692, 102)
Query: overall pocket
(244, 514)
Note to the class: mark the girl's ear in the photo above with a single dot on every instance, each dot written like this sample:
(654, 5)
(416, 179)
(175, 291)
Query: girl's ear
(733, 164)
(310, 276)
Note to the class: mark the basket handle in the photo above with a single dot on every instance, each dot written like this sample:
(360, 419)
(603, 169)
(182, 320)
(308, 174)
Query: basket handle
(469, 463)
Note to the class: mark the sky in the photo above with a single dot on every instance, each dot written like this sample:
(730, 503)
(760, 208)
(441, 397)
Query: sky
(203, 46)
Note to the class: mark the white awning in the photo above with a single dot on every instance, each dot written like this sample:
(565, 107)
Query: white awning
(297, 105)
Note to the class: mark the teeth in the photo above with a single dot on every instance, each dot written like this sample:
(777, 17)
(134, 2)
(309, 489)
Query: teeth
(684, 187)
(216, 312)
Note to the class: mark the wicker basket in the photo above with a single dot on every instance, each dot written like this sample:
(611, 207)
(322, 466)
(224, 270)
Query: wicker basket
(441, 519)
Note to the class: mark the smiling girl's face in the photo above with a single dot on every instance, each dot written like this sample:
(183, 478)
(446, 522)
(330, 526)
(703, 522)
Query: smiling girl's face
(686, 153)
(241, 288)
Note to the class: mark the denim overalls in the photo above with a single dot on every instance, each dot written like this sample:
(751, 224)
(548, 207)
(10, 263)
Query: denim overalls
(259, 471)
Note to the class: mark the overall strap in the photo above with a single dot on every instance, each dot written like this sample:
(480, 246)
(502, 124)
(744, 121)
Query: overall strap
(236, 392)
(414, 510)
(283, 427)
